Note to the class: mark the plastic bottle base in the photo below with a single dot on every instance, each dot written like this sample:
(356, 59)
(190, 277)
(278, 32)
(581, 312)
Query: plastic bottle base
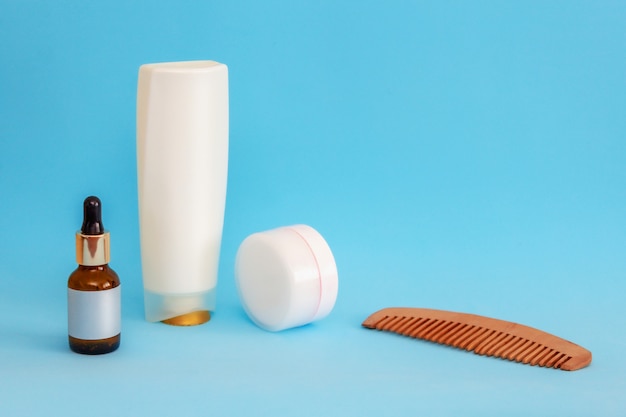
(190, 319)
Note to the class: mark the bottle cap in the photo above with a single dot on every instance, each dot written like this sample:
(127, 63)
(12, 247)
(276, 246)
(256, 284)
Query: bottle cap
(286, 277)
(92, 241)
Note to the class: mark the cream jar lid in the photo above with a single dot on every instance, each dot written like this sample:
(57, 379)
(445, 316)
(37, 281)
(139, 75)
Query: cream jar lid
(286, 277)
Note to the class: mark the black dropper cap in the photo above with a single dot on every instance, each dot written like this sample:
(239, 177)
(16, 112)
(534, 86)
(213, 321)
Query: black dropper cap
(92, 217)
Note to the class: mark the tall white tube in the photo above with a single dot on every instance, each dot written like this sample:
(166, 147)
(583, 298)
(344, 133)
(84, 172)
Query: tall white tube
(182, 162)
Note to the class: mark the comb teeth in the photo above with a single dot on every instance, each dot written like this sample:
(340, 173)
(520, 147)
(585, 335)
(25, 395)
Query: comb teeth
(483, 336)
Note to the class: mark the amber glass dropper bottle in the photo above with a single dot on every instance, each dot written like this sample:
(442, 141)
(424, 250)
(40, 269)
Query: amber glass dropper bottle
(94, 289)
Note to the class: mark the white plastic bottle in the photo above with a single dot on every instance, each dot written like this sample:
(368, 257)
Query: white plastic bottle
(182, 162)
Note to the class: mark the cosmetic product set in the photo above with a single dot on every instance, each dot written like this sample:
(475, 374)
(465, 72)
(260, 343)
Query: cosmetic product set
(286, 277)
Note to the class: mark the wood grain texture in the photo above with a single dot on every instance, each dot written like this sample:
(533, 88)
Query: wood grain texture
(482, 335)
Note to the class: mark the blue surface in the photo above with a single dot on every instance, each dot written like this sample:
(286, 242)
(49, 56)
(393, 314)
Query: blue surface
(468, 156)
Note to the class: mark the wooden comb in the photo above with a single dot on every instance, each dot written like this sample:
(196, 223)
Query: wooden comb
(482, 335)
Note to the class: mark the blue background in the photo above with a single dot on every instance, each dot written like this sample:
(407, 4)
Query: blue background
(468, 156)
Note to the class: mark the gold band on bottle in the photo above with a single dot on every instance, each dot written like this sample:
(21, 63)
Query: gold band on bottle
(92, 250)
